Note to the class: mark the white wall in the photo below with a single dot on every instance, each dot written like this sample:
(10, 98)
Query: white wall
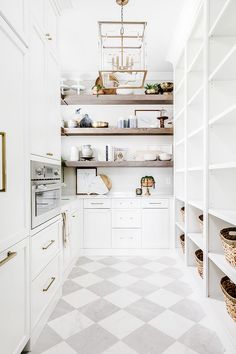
(123, 179)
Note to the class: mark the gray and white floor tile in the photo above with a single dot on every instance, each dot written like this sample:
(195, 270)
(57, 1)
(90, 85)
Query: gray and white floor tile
(128, 305)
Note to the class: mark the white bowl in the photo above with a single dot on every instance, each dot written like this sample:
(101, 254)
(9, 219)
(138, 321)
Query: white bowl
(165, 157)
(150, 157)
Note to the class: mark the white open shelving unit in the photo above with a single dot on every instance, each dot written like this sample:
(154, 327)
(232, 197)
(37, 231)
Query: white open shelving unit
(205, 148)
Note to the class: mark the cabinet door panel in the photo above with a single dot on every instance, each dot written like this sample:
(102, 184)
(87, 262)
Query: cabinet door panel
(13, 121)
(38, 119)
(38, 11)
(155, 232)
(51, 25)
(97, 228)
(14, 299)
(16, 14)
(75, 234)
(53, 109)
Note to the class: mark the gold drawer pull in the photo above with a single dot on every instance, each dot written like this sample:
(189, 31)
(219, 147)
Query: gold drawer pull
(50, 284)
(9, 256)
(50, 244)
(49, 154)
(3, 161)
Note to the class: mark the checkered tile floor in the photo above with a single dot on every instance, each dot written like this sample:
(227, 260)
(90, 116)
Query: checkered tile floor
(128, 305)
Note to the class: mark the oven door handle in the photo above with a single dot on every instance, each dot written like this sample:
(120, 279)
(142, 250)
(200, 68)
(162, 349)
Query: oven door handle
(43, 188)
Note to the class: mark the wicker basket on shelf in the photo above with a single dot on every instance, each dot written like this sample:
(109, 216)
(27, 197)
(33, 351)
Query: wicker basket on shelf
(182, 242)
(228, 239)
(182, 213)
(199, 261)
(200, 218)
(229, 291)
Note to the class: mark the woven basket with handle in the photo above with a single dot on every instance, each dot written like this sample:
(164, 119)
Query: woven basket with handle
(200, 218)
(182, 242)
(182, 213)
(229, 291)
(228, 239)
(199, 261)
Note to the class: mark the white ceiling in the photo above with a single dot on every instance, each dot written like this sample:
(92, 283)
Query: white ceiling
(78, 30)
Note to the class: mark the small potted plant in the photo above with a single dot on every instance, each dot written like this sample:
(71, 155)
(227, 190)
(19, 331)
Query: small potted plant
(150, 89)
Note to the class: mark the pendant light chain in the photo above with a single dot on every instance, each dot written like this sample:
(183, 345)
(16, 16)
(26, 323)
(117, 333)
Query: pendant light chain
(122, 35)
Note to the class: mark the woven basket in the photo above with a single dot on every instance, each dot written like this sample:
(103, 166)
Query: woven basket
(200, 218)
(182, 213)
(199, 261)
(182, 242)
(229, 291)
(228, 239)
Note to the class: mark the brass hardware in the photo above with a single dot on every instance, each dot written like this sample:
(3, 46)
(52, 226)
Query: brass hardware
(50, 284)
(50, 243)
(122, 2)
(48, 36)
(9, 256)
(3, 158)
(49, 154)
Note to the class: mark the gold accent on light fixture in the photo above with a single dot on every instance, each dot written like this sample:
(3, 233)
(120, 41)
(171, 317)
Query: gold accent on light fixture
(122, 2)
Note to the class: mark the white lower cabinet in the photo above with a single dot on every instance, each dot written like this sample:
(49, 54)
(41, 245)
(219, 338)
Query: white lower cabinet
(14, 298)
(126, 218)
(97, 228)
(44, 246)
(75, 233)
(44, 287)
(126, 238)
(155, 228)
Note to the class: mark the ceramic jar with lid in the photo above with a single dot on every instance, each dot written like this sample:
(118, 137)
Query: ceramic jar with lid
(87, 151)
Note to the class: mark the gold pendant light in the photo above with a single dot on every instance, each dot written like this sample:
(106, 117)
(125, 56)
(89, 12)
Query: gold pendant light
(122, 52)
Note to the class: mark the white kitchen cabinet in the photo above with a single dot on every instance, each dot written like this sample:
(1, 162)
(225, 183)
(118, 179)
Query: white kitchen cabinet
(126, 218)
(38, 117)
(51, 25)
(44, 94)
(44, 288)
(155, 228)
(126, 238)
(97, 228)
(14, 202)
(53, 115)
(14, 298)
(15, 12)
(75, 235)
(44, 246)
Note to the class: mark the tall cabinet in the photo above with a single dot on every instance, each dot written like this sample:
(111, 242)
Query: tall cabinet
(14, 169)
(205, 160)
(44, 80)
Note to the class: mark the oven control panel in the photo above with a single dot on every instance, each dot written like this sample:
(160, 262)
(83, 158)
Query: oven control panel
(43, 171)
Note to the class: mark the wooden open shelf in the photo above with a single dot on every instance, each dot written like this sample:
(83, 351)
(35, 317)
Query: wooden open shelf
(116, 131)
(117, 99)
(118, 163)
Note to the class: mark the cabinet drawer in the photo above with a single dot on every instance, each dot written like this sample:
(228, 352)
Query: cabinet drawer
(43, 289)
(126, 238)
(126, 203)
(44, 246)
(126, 218)
(155, 203)
(97, 203)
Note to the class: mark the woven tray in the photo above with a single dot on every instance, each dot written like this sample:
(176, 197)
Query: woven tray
(228, 239)
(199, 262)
(229, 291)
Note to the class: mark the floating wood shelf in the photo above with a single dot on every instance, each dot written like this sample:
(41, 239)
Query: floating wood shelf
(118, 164)
(117, 131)
(117, 99)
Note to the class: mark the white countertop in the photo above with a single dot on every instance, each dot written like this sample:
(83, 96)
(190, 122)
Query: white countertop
(65, 199)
